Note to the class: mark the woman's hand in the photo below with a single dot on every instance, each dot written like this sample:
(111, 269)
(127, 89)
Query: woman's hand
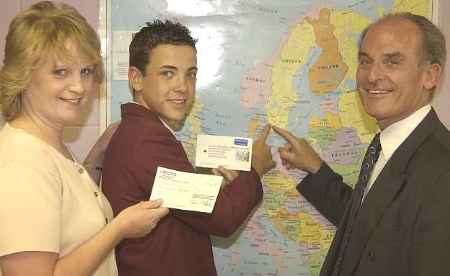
(140, 219)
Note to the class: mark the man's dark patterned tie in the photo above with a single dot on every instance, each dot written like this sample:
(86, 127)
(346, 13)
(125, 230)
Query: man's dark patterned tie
(371, 157)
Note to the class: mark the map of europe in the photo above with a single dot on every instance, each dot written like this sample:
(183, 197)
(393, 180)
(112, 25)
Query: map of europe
(290, 63)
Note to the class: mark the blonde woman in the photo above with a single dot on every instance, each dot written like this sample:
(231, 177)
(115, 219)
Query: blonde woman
(54, 219)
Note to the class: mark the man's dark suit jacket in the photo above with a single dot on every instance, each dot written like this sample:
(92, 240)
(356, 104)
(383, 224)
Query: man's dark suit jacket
(403, 226)
(180, 244)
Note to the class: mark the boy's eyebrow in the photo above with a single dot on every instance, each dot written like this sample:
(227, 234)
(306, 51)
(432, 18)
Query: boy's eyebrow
(176, 68)
(171, 67)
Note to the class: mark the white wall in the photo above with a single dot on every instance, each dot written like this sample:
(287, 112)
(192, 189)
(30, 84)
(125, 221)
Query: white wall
(441, 101)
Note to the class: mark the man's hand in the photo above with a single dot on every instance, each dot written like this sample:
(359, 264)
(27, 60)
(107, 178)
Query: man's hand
(262, 160)
(297, 153)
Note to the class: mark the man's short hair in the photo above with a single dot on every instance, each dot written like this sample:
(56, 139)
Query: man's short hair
(156, 33)
(433, 40)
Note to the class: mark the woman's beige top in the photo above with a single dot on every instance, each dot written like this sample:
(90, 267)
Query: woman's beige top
(47, 202)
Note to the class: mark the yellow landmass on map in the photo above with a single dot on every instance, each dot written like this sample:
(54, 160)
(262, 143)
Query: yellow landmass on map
(280, 183)
(414, 6)
(298, 226)
(253, 126)
(329, 70)
(322, 130)
(278, 189)
(292, 56)
(195, 122)
(350, 172)
(330, 120)
(303, 228)
(348, 22)
(352, 115)
(312, 233)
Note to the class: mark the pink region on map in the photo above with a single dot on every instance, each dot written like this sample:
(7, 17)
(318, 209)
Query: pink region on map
(258, 239)
(256, 86)
(345, 149)
(329, 105)
(314, 12)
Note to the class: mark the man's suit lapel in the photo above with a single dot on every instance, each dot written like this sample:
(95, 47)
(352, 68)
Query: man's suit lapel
(384, 191)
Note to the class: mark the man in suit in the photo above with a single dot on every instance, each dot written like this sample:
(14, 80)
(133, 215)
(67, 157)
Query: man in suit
(397, 219)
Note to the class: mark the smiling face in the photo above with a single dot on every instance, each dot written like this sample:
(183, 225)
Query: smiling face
(392, 79)
(168, 86)
(58, 91)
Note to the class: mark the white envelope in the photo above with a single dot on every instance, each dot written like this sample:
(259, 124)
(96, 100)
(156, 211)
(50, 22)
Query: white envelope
(186, 191)
(233, 153)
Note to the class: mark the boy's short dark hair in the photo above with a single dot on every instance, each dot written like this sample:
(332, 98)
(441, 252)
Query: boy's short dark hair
(156, 33)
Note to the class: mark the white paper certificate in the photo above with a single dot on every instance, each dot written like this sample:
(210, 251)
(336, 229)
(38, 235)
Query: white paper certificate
(186, 191)
(233, 153)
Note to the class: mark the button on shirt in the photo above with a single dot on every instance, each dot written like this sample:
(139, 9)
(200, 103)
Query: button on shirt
(391, 138)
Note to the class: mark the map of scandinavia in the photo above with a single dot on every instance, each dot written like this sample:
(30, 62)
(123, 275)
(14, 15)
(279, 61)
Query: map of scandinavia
(290, 64)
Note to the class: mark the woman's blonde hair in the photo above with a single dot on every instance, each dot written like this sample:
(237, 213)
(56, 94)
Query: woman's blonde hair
(40, 32)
